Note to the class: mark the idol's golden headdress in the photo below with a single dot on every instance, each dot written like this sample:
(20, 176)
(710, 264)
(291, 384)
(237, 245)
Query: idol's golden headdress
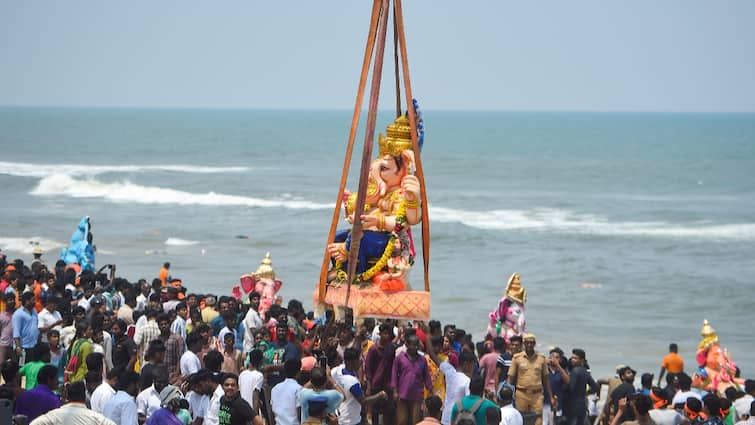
(514, 289)
(398, 137)
(265, 270)
(709, 336)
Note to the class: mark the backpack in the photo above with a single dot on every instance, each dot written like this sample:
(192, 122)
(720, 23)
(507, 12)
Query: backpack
(465, 416)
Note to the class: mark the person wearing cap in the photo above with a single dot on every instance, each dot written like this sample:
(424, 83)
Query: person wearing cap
(318, 378)
(624, 389)
(529, 374)
(316, 411)
(37, 253)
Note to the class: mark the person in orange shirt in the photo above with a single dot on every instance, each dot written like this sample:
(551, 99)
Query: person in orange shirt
(672, 363)
(164, 274)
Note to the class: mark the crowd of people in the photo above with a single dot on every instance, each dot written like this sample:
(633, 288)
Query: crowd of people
(91, 348)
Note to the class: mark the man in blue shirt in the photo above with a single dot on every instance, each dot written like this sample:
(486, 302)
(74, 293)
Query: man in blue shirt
(25, 325)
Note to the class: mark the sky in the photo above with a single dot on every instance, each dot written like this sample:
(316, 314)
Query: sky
(641, 55)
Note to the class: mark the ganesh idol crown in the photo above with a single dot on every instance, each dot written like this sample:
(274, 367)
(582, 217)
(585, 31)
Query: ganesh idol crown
(392, 205)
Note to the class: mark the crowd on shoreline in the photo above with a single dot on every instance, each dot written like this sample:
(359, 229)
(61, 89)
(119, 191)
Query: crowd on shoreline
(152, 352)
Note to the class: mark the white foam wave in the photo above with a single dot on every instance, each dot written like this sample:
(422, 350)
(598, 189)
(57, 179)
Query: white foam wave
(24, 245)
(564, 221)
(180, 242)
(126, 192)
(45, 170)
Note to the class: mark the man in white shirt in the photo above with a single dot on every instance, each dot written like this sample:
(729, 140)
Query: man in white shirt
(213, 408)
(252, 321)
(49, 318)
(103, 392)
(457, 381)
(285, 396)
(201, 387)
(251, 380)
(509, 415)
(685, 390)
(189, 362)
(121, 408)
(74, 412)
(148, 401)
(345, 376)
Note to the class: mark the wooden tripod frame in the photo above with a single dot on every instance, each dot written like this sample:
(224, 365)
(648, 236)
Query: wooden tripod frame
(376, 43)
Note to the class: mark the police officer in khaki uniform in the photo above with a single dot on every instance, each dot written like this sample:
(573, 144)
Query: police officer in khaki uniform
(529, 374)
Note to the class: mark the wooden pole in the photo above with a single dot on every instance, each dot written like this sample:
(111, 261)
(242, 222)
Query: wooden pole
(350, 147)
(415, 143)
(369, 137)
(395, 63)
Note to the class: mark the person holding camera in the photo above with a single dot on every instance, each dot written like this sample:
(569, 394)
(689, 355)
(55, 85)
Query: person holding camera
(639, 405)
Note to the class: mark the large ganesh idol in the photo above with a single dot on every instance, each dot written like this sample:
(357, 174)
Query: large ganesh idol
(507, 319)
(386, 252)
(716, 371)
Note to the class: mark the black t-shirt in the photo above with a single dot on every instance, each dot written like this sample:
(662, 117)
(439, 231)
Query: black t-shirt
(502, 365)
(235, 412)
(122, 352)
(623, 390)
(147, 375)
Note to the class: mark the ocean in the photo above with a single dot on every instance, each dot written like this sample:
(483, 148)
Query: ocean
(628, 229)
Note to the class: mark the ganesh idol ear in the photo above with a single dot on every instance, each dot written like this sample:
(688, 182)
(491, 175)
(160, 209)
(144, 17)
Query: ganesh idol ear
(278, 285)
(247, 282)
(408, 156)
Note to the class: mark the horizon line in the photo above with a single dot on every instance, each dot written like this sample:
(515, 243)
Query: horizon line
(385, 110)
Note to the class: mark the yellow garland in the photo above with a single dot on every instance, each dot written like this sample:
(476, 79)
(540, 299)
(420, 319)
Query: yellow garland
(387, 253)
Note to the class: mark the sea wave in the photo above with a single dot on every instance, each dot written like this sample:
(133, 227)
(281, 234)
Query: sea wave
(180, 242)
(127, 192)
(25, 245)
(22, 169)
(569, 222)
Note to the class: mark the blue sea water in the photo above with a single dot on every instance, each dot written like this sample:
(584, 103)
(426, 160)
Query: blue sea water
(628, 229)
